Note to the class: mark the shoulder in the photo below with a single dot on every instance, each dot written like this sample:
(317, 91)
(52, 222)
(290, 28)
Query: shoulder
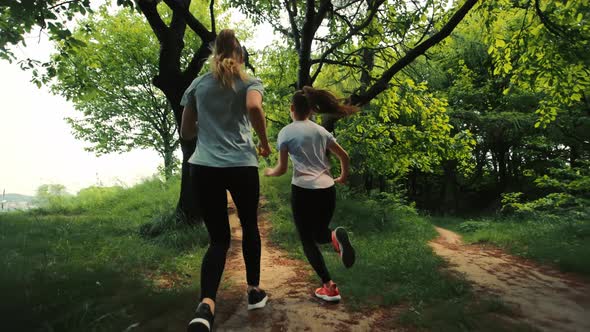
(198, 80)
(253, 80)
(322, 131)
(286, 131)
(254, 83)
(318, 127)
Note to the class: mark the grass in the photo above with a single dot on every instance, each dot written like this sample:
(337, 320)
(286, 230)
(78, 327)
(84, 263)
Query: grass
(395, 265)
(79, 263)
(563, 243)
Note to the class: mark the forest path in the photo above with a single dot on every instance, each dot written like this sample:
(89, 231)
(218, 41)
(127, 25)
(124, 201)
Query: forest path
(291, 305)
(546, 298)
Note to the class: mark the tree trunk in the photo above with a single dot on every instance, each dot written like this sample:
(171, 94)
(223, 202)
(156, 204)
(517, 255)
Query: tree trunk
(450, 190)
(168, 156)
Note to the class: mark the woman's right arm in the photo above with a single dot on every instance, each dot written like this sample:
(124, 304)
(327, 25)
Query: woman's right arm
(256, 114)
(188, 125)
(344, 161)
(281, 167)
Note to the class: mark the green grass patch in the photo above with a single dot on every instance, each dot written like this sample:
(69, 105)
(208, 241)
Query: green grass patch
(564, 243)
(79, 263)
(394, 264)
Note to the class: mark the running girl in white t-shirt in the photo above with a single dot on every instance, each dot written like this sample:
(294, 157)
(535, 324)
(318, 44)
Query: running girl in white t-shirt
(313, 196)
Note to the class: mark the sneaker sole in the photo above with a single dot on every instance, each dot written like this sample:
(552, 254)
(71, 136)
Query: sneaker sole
(346, 250)
(328, 298)
(199, 325)
(258, 305)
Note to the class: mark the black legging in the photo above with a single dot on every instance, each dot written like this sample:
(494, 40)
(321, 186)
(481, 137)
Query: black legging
(211, 184)
(312, 211)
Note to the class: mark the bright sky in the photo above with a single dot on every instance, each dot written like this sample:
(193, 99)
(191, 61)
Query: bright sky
(37, 146)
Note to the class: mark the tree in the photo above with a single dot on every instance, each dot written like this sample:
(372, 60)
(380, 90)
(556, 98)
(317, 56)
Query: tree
(109, 81)
(408, 30)
(543, 45)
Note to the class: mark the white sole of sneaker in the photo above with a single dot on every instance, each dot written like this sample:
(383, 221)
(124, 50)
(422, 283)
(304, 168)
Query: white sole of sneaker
(328, 298)
(201, 321)
(258, 305)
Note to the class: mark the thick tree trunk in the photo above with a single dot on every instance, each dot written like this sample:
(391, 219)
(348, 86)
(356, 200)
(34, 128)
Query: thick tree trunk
(168, 162)
(187, 209)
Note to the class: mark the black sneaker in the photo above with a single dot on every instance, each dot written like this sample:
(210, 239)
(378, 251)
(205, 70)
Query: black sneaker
(203, 321)
(343, 246)
(256, 299)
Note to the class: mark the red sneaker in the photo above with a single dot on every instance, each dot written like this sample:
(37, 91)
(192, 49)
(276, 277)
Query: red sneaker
(342, 245)
(335, 243)
(328, 293)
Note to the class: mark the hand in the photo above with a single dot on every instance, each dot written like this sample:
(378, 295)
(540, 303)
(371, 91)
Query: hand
(268, 172)
(264, 150)
(340, 179)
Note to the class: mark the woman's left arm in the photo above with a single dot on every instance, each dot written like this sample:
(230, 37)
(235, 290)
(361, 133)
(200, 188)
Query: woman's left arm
(188, 126)
(281, 167)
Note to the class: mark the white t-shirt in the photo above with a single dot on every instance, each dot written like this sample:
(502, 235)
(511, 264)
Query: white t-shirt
(307, 144)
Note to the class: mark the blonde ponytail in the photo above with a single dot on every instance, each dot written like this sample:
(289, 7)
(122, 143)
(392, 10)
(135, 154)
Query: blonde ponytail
(227, 58)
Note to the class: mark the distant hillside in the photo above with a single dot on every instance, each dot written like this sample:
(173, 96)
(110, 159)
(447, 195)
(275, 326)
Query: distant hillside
(17, 198)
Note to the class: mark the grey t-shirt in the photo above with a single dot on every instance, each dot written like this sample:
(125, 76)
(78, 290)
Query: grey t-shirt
(224, 134)
(307, 144)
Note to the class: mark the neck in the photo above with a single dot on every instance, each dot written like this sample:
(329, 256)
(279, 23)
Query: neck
(300, 118)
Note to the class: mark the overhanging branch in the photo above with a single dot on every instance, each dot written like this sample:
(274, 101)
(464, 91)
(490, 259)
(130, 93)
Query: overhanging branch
(382, 83)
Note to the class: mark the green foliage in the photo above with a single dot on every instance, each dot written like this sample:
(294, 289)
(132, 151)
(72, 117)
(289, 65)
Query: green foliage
(569, 195)
(471, 226)
(406, 128)
(545, 52)
(109, 80)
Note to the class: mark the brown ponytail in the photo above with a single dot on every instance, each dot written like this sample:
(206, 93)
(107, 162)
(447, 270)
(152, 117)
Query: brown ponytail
(227, 58)
(320, 101)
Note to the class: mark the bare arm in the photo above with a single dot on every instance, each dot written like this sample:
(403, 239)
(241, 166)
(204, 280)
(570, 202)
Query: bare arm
(188, 126)
(281, 167)
(344, 160)
(256, 114)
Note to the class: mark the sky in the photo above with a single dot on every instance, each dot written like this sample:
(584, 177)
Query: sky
(37, 146)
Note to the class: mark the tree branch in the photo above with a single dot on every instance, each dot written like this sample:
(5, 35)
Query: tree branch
(192, 22)
(353, 31)
(197, 62)
(296, 34)
(212, 15)
(303, 77)
(325, 7)
(382, 83)
(148, 8)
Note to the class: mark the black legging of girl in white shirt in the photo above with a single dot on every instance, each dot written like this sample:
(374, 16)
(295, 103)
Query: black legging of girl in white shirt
(312, 211)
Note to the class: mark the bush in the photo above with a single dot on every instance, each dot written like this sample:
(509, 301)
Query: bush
(471, 226)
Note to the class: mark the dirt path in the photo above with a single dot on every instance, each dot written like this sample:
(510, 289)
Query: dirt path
(291, 306)
(546, 298)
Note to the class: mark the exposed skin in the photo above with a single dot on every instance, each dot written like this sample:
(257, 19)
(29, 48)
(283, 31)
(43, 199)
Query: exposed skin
(281, 167)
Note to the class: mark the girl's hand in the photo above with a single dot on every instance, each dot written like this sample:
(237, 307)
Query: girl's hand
(264, 150)
(340, 179)
(268, 172)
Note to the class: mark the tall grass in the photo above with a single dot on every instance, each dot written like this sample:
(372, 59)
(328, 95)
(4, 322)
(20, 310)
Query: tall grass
(79, 263)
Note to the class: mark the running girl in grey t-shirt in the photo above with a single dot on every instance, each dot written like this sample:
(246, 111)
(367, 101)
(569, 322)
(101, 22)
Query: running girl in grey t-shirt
(220, 108)
(313, 196)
